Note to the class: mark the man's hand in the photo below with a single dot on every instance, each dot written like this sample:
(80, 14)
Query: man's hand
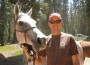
(29, 53)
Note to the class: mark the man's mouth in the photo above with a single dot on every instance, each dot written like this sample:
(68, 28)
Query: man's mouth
(55, 26)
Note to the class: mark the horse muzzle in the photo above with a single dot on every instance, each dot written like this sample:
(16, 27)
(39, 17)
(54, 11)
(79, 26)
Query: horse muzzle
(29, 52)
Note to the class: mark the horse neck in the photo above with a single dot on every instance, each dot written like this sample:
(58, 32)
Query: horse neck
(39, 33)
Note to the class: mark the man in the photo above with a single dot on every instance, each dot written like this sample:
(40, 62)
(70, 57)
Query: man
(61, 47)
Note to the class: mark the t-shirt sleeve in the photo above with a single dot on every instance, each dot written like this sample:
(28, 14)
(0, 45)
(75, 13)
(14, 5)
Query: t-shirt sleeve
(73, 47)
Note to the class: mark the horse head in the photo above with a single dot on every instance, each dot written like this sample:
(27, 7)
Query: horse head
(27, 32)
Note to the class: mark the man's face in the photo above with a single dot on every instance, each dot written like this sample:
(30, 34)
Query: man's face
(55, 24)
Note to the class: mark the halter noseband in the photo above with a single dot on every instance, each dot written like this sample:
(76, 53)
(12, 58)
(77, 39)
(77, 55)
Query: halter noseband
(25, 30)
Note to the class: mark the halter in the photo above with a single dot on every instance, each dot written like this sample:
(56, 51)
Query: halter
(25, 31)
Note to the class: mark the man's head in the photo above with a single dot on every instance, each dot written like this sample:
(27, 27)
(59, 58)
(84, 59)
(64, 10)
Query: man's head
(55, 22)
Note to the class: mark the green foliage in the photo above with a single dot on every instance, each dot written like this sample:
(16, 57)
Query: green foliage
(44, 7)
(1, 26)
(9, 28)
(12, 1)
(7, 48)
(42, 16)
(80, 38)
(15, 48)
(88, 18)
(19, 52)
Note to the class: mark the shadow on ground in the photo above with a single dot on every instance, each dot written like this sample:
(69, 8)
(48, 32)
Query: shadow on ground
(15, 60)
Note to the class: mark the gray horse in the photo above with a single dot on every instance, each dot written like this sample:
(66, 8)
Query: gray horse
(29, 35)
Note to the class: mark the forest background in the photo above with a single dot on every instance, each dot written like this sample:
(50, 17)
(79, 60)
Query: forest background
(75, 14)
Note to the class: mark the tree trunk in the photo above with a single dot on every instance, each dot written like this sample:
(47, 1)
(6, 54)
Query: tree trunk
(3, 22)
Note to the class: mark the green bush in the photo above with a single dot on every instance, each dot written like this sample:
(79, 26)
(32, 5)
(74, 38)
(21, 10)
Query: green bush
(6, 48)
(19, 52)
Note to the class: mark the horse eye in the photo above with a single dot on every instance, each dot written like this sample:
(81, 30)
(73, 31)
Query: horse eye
(21, 23)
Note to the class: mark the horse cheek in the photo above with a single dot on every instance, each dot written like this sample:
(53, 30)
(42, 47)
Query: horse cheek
(20, 37)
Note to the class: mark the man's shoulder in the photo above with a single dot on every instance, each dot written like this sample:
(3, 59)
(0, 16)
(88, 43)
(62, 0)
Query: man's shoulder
(62, 34)
(66, 34)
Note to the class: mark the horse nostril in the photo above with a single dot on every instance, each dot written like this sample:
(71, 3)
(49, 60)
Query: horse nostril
(38, 40)
(20, 23)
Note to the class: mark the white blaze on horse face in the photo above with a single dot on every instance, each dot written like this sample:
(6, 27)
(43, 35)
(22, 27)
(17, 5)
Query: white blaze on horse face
(39, 33)
(26, 18)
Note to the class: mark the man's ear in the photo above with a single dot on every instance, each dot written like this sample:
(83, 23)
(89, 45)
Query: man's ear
(16, 10)
(30, 12)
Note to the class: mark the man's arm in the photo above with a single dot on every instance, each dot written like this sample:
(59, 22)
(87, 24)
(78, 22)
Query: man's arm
(75, 59)
(74, 52)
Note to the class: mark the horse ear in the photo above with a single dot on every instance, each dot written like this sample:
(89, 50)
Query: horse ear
(16, 10)
(30, 12)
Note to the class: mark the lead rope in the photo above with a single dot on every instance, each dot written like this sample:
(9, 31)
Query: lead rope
(34, 62)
